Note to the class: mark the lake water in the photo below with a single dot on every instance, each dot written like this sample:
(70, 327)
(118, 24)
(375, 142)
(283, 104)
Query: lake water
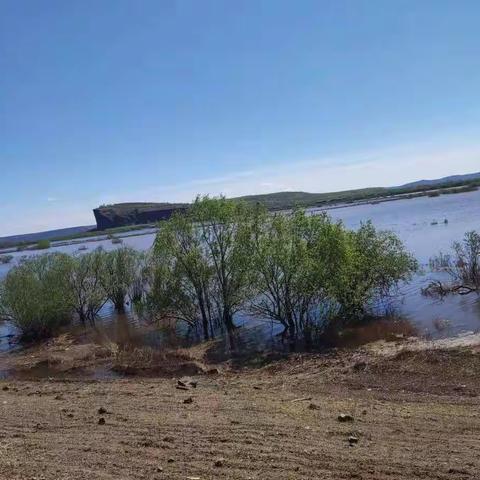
(419, 222)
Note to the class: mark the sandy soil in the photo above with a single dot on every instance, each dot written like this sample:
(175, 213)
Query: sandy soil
(415, 415)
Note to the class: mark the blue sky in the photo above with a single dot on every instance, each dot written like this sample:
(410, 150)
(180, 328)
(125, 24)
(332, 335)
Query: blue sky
(157, 100)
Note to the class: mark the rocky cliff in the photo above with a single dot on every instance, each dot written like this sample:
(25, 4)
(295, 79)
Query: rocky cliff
(122, 214)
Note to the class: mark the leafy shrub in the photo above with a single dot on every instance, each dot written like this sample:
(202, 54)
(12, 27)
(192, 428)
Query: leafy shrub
(374, 263)
(300, 270)
(35, 295)
(4, 259)
(43, 245)
(118, 275)
(296, 261)
(85, 282)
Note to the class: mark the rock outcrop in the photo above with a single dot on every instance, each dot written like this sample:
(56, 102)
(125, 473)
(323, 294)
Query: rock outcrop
(122, 214)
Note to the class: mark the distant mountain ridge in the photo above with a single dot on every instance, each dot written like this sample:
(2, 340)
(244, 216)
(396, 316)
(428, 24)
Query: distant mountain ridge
(445, 180)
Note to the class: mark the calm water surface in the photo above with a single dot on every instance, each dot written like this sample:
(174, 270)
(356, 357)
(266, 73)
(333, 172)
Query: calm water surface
(419, 222)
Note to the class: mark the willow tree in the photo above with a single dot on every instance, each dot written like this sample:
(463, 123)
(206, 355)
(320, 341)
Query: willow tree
(204, 262)
(85, 283)
(374, 264)
(119, 270)
(296, 260)
(181, 286)
(226, 229)
(35, 295)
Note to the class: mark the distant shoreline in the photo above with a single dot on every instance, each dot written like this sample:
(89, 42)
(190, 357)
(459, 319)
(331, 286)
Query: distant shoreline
(124, 231)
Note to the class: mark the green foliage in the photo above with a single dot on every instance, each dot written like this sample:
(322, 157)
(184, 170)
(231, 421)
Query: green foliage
(118, 275)
(4, 259)
(374, 263)
(226, 229)
(203, 263)
(35, 295)
(219, 258)
(296, 263)
(300, 270)
(182, 277)
(85, 283)
(43, 245)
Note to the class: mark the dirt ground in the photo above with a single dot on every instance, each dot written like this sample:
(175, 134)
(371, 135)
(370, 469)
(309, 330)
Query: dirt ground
(409, 415)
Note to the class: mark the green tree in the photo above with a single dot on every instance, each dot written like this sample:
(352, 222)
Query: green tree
(375, 262)
(182, 276)
(297, 258)
(85, 282)
(35, 295)
(119, 272)
(226, 228)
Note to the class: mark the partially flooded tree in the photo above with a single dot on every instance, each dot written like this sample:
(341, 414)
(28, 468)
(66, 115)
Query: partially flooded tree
(204, 264)
(141, 277)
(35, 295)
(226, 229)
(297, 259)
(118, 275)
(85, 282)
(375, 263)
(462, 266)
(182, 277)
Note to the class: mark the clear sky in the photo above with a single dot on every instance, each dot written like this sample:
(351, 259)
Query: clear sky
(157, 100)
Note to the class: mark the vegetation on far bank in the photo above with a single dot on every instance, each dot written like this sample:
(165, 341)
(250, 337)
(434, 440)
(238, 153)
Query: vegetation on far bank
(275, 201)
(21, 246)
(288, 200)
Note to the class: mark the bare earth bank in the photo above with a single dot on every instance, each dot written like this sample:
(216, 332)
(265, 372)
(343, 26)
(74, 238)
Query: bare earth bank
(409, 414)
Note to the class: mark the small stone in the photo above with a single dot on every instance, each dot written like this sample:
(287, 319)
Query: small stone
(159, 469)
(188, 400)
(359, 366)
(219, 462)
(352, 440)
(58, 397)
(102, 411)
(170, 460)
(70, 415)
(313, 406)
(168, 439)
(101, 421)
(345, 418)
(5, 388)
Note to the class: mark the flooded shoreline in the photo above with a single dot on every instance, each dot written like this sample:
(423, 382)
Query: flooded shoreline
(412, 221)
